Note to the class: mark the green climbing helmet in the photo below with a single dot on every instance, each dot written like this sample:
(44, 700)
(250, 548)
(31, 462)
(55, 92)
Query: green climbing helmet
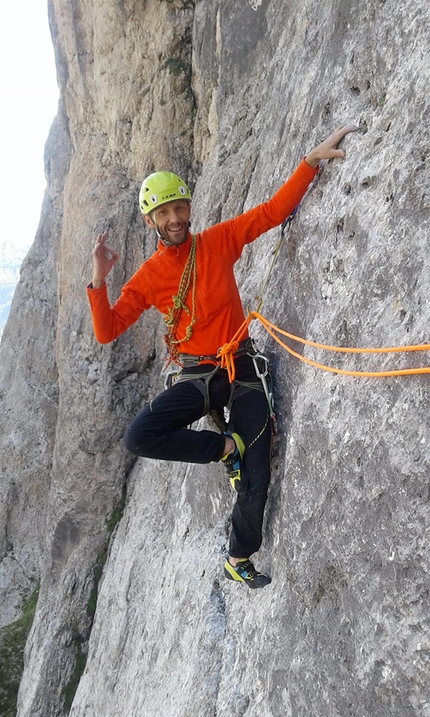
(159, 188)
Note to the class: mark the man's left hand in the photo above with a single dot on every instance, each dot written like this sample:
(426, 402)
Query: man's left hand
(327, 149)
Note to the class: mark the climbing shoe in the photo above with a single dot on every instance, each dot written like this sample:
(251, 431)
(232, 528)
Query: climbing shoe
(233, 463)
(244, 572)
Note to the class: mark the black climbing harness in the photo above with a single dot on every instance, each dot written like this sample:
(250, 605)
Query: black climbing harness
(238, 388)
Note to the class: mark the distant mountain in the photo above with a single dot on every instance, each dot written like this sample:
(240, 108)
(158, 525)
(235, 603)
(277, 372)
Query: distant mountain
(10, 262)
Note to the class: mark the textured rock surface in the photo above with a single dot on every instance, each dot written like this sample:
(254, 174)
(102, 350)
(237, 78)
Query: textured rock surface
(230, 95)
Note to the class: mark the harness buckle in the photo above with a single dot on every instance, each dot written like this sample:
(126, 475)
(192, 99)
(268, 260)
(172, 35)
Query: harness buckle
(171, 377)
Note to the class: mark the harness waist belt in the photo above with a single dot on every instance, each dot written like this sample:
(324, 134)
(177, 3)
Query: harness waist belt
(245, 347)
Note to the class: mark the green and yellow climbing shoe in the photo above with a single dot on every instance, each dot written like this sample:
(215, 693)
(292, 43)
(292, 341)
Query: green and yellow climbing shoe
(244, 572)
(233, 463)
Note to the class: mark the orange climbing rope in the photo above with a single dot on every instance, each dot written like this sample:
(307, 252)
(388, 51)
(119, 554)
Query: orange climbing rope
(226, 352)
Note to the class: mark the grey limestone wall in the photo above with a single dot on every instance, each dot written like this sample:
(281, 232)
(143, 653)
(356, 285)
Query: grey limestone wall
(133, 616)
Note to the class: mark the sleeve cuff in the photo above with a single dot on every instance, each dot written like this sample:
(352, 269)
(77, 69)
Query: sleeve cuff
(90, 287)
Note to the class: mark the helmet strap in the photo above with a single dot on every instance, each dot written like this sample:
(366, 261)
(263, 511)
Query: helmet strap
(164, 241)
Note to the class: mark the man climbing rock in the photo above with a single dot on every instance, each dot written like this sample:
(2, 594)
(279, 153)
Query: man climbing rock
(190, 280)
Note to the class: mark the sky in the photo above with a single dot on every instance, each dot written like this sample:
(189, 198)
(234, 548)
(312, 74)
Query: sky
(29, 98)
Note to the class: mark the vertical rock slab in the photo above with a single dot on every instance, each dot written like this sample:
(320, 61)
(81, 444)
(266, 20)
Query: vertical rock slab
(232, 95)
(117, 68)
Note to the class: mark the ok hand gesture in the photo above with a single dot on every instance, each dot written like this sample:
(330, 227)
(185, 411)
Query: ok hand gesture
(104, 257)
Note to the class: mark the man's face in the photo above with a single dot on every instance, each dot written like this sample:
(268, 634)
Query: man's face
(171, 220)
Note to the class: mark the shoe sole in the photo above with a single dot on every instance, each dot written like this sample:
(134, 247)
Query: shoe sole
(233, 475)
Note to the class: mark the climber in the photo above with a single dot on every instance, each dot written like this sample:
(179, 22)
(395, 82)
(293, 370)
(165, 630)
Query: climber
(190, 280)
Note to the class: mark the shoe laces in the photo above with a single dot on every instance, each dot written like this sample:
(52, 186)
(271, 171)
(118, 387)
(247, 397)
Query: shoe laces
(249, 568)
(232, 459)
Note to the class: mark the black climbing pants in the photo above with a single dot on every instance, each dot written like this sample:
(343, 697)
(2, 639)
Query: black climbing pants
(159, 431)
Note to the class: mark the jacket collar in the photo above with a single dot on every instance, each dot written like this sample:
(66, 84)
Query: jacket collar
(181, 250)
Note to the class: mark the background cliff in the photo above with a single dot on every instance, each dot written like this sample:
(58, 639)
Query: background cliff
(133, 615)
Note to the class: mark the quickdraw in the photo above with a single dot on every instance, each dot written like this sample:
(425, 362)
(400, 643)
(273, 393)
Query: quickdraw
(286, 224)
(262, 370)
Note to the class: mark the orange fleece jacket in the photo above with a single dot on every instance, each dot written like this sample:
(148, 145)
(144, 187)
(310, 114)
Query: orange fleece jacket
(218, 311)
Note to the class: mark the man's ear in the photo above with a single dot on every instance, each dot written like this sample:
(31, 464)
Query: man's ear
(147, 219)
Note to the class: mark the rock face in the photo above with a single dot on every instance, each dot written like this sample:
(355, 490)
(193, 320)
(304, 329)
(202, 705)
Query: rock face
(134, 617)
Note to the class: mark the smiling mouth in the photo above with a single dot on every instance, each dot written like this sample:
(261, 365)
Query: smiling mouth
(169, 235)
(175, 230)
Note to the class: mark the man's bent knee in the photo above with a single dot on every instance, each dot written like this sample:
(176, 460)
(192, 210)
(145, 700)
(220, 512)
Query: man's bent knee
(138, 437)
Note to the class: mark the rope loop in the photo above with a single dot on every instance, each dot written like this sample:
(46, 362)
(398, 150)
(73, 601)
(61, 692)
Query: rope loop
(226, 354)
(227, 351)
